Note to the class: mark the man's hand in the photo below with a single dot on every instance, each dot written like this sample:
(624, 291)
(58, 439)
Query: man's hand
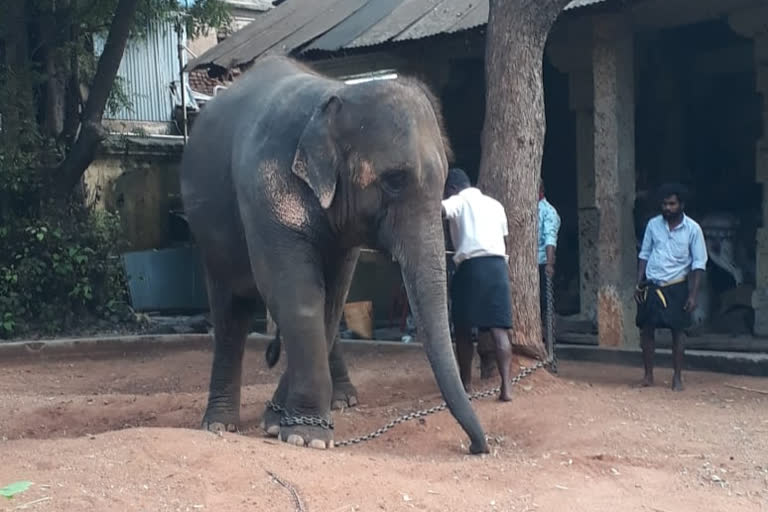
(549, 269)
(639, 292)
(690, 304)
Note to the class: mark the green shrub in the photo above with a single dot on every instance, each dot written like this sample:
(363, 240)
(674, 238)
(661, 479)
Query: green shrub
(60, 272)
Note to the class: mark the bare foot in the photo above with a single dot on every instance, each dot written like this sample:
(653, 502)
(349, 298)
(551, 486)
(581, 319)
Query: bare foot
(677, 383)
(505, 395)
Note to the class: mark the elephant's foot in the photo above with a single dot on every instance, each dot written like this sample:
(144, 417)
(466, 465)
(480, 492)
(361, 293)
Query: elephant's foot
(344, 395)
(214, 422)
(217, 426)
(270, 421)
(306, 435)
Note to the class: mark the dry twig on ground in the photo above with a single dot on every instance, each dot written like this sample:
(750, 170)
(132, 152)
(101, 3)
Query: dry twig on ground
(291, 488)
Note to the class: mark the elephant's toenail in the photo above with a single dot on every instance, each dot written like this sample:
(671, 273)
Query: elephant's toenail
(295, 440)
(317, 443)
(273, 430)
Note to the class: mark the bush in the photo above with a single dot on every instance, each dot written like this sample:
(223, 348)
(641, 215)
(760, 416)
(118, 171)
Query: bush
(61, 272)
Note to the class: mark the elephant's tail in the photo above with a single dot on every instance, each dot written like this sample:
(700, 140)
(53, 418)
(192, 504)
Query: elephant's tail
(272, 354)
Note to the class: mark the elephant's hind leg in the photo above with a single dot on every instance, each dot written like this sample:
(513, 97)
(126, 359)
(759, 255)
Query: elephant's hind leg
(231, 319)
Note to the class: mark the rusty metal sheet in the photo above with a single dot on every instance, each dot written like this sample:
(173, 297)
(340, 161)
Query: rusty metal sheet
(267, 27)
(352, 27)
(397, 21)
(438, 19)
(476, 16)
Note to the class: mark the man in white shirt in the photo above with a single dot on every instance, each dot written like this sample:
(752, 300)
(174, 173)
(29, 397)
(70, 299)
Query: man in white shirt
(672, 258)
(480, 285)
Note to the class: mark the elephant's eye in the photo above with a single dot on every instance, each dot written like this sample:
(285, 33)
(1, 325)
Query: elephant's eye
(393, 182)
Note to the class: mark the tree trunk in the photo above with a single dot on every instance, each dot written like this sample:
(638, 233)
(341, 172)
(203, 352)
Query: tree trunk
(68, 174)
(14, 29)
(513, 143)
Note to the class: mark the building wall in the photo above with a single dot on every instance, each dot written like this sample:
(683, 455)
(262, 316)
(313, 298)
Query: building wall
(138, 178)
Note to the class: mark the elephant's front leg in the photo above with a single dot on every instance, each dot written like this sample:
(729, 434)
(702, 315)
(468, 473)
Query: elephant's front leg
(270, 419)
(298, 304)
(338, 281)
(306, 419)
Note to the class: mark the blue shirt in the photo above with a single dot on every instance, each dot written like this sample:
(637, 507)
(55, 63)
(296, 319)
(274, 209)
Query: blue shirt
(672, 254)
(549, 225)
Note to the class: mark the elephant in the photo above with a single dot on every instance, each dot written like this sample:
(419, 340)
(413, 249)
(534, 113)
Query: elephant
(286, 175)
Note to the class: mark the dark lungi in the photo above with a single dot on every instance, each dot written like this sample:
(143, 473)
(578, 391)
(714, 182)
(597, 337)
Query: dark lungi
(480, 294)
(663, 307)
(543, 291)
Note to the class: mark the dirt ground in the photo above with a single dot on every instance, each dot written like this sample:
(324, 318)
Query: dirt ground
(121, 434)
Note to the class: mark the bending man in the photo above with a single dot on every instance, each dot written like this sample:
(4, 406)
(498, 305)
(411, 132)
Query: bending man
(480, 286)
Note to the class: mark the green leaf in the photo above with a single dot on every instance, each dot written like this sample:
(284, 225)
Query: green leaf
(15, 488)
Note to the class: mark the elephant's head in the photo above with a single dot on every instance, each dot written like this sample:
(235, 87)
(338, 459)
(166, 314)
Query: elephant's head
(376, 157)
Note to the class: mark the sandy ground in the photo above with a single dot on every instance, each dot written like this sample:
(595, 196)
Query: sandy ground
(121, 434)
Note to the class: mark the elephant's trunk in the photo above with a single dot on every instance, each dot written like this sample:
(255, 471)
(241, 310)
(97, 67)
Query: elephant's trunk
(422, 262)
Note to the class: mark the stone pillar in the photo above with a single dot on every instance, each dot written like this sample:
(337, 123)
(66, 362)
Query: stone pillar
(614, 153)
(581, 86)
(752, 23)
(597, 54)
(570, 51)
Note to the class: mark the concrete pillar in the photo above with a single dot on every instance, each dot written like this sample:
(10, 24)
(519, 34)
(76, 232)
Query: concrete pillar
(614, 154)
(751, 23)
(598, 55)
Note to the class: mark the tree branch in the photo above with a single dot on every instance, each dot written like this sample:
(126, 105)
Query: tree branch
(92, 133)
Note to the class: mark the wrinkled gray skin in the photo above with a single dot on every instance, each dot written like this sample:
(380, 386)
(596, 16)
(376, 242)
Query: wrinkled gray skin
(286, 174)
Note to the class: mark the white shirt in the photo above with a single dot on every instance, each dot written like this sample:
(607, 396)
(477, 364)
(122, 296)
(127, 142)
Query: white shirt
(672, 254)
(478, 225)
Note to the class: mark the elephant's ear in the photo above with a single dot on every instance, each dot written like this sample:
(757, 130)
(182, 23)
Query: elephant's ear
(317, 158)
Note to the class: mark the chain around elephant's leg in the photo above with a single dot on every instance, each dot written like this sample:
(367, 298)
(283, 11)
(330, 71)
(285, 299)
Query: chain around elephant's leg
(273, 411)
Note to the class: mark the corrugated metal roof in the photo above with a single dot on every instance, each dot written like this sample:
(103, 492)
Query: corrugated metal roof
(398, 20)
(320, 23)
(349, 29)
(440, 18)
(297, 26)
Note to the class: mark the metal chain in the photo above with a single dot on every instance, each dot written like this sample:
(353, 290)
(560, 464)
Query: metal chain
(525, 372)
(289, 420)
(550, 319)
(426, 412)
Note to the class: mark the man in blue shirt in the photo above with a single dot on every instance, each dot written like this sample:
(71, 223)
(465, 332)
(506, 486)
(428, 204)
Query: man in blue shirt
(672, 258)
(549, 225)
